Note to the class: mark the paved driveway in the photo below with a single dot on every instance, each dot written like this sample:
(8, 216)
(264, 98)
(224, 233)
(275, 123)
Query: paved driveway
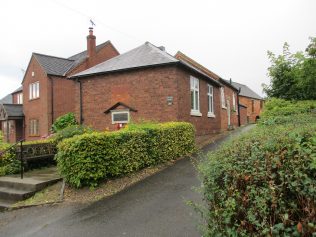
(153, 207)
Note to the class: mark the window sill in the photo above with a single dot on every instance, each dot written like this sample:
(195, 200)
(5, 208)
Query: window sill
(196, 113)
(224, 107)
(34, 99)
(210, 115)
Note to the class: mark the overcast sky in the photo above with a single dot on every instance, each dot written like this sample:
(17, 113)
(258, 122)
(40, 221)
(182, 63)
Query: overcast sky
(229, 37)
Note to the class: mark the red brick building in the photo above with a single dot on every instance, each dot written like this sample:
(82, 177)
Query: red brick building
(228, 95)
(147, 83)
(47, 92)
(11, 116)
(251, 100)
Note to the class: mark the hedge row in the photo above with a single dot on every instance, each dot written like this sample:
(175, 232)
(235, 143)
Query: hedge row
(87, 159)
(264, 182)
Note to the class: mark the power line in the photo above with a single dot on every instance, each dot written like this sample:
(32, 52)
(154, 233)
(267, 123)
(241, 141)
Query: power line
(95, 18)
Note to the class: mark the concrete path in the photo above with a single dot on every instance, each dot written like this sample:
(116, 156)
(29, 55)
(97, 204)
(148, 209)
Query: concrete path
(153, 207)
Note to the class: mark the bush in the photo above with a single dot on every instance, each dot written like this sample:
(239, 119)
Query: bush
(64, 121)
(87, 159)
(8, 162)
(264, 183)
(280, 107)
(69, 132)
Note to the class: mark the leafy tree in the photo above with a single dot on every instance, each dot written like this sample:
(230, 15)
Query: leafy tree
(293, 76)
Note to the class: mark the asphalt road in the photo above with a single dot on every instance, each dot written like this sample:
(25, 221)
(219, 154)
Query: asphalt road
(155, 207)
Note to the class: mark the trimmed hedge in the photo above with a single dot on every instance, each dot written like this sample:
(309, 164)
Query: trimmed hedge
(87, 159)
(264, 182)
(8, 163)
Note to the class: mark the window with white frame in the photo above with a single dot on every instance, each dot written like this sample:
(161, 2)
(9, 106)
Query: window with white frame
(34, 90)
(19, 98)
(210, 100)
(195, 96)
(34, 127)
(120, 116)
(223, 98)
(234, 101)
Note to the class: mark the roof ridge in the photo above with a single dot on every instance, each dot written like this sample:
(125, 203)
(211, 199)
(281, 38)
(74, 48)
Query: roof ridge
(45, 55)
(161, 51)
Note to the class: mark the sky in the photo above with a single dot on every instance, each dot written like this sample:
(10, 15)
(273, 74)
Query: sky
(229, 37)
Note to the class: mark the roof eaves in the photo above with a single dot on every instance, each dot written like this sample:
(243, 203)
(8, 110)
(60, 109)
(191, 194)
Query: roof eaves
(199, 72)
(121, 70)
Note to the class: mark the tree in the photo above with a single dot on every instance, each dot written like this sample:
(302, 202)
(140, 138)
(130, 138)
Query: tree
(293, 76)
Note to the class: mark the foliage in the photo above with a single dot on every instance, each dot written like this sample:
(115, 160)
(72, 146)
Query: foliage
(280, 107)
(8, 163)
(69, 132)
(1, 137)
(64, 121)
(293, 76)
(86, 159)
(264, 182)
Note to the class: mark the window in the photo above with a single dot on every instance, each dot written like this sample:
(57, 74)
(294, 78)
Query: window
(34, 127)
(34, 90)
(195, 101)
(253, 106)
(120, 117)
(19, 98)
(210, 100)
(234, 101)
(223, 98)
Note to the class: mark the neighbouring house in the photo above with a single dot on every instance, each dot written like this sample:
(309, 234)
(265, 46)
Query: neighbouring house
(251, 100)
(147, 83)
(47, 92)
(11, 116)
(228, 94)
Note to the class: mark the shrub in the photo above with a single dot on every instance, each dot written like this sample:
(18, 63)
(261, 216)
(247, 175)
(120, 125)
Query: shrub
(69, 132)
(64, 121)
(263, 183)
(86, 159)
(8, 162)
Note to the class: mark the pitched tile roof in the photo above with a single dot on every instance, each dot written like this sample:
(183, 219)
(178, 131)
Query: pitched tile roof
(246, 91)
(145, 55)
(18, 90)
(13, 110)
(58, 66)
(54, 65)
(7, 99)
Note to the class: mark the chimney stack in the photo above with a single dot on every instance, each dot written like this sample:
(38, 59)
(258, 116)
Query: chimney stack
(91, 45)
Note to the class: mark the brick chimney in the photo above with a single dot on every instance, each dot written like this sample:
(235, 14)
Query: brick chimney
(91, 45)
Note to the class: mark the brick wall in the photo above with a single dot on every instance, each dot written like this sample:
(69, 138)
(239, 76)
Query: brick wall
(243, 115)
(229, 94)
(146, 90)
(253, 107)
(37, 108)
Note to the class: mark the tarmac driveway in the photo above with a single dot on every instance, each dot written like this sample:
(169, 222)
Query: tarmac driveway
(155, 206)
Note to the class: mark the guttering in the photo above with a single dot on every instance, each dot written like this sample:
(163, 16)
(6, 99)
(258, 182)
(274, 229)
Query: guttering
(238, 109)
(80, 102)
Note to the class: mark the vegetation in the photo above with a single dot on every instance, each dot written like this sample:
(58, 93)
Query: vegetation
(64, 121)
(87, 159)
(293, 76)
(8, 163)
(264, 182)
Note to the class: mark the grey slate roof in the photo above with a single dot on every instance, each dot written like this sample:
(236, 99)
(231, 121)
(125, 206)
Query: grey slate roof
(13, 110)
(7, 99)
(17, 90)
(60, 66)
(246, 91)
(143, 56)
(54, 65)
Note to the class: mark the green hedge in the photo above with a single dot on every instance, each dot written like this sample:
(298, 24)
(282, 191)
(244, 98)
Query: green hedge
(8, 163)
(87, 159)
(264, 182)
